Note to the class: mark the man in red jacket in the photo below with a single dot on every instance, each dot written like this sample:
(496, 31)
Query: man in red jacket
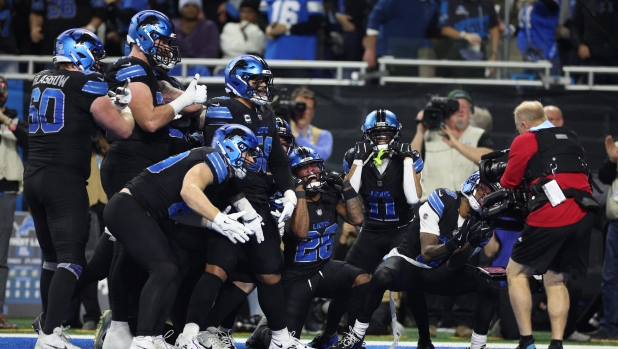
(555, 241)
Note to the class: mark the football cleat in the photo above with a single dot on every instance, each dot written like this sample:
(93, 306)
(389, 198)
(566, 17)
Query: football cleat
(57, 340)
(143, 342)
(424, 345)
(256, 340)
(99, 334)
(350, 341)
(322, 341)
(225, 338)
(38, 323)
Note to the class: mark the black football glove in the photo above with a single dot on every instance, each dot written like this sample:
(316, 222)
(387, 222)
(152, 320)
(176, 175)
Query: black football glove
(298, 182)
(334, 180)
(404, 150)
(362, 151)
(482, 234)
(466, 231)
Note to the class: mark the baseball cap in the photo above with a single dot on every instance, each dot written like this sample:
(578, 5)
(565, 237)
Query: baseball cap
(456, 94)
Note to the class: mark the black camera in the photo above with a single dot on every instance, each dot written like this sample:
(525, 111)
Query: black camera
(284, 106)
(437, 110)
(491, 171)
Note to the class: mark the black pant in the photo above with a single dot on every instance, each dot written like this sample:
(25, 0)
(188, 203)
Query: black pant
(397, 274)
(372, 245)
(148, 245)
(335, 279)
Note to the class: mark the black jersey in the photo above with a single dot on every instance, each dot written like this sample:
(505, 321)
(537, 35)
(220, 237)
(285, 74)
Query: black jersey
(445, 204)
(142, 148)
(61, 124)
(305, 257)
(384, 201)
(158, 187)
(261, 120)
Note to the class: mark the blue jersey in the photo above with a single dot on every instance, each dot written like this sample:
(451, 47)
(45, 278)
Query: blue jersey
(291, 12)
(536, 38)
(472, 17)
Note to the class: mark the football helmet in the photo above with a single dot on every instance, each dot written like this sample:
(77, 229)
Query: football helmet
(471, 185)
(232, 140)
(381, 128)
(80, 47)
(146, 28)
(285, 133)
(302, 156)
(247, 67)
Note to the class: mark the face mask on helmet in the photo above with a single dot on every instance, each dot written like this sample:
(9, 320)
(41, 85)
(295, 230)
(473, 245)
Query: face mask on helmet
(307, 165)
(382, 137)
(153, 33)
(285, 134)
(250, 77)
(475, 191)
(381, 128)
(240, 146)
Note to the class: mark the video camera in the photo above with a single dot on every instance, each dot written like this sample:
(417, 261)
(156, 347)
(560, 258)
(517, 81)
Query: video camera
(284, 106)
(504, 202)
(437, 110)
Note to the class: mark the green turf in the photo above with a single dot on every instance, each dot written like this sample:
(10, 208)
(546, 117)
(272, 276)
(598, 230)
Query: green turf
(411, 335)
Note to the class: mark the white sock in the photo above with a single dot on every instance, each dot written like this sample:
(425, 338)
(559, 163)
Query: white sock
(478, 340)
(226, 330)
(281, 335)
(191, 329)
(117, 325)
(360, 328)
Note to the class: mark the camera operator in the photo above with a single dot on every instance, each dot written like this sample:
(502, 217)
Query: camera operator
(306, 134)
(449, 140)
(550, 163)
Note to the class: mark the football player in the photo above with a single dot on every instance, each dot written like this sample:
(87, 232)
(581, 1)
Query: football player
(66, 105)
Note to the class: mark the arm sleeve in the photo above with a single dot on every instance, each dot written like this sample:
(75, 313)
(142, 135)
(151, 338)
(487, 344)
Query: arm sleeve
(21, 133)
(607, 172)
(309, 27)
(485, 141)
(278, 164)
(521, 152)
(379, 15)
(409, 186)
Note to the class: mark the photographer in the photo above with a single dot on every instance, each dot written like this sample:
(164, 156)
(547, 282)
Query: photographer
(449, 140)
(549, 162)
(306, 134)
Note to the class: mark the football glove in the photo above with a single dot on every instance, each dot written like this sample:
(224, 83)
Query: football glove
(482, 234)
(280, 225)
(194, 94)
(229, 227)
(466, 231)
(362, 151)
(122, 96)
(289, 203)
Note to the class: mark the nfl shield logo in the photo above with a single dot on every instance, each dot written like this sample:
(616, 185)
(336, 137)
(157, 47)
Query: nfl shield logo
(319, 211)
(260, 117)
(425, 216)
(379, 183)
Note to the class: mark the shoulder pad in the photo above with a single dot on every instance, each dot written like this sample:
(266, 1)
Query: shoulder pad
(348, 159)
(440, 198)
(128, 68)
(95, 84)
(218, 166)
(215, 110)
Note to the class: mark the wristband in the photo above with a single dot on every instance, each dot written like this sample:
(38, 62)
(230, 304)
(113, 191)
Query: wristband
(349, 194)
(450, 246)
(462, 34)
(300, 194)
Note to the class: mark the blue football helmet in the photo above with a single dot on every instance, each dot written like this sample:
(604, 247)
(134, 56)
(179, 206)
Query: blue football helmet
(302, 156)
(469, 188)
(247, 67)
(232, 140)
(381, 128)
(145, 29)
(80, 47)
(285, 133)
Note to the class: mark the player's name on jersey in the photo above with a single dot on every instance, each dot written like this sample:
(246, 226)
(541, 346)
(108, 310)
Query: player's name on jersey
(57, 80)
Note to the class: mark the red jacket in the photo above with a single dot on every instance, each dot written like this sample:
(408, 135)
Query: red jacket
(569, 212)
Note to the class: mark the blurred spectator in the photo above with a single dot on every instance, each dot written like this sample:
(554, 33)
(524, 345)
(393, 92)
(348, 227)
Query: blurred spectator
(306, 134)
(460, 144)
(468, 24)
(13, 133)
(592, 43)
(245, 37)
(481, 118)
(399, 28)
(563, 39)
(117, 24)
(538, 22)
(554, 115)
(196, 37)
(48, 19)
(609, 287)
(292, 29)
(351, 15)
(8, 44)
